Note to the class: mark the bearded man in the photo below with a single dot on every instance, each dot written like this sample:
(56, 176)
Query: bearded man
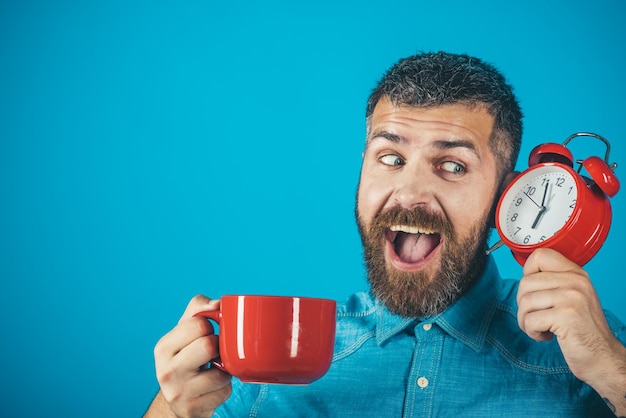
(440, 333)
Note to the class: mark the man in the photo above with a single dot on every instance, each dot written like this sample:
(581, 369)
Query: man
(440, 334)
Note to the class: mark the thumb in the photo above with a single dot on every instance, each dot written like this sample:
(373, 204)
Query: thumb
(200, 303)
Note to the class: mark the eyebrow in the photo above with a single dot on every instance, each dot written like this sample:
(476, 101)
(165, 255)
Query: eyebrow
(386, 135)
(442, 144)
(457, 143)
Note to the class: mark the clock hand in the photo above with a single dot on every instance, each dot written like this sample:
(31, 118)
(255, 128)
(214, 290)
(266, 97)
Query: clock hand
(541, 211)
(531, 199)
(545, 192)
(542, 208)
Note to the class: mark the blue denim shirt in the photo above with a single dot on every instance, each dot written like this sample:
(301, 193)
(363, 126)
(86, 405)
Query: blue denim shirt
(472, 360)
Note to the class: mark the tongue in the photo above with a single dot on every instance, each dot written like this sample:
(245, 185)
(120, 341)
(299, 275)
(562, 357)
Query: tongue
(415, 247)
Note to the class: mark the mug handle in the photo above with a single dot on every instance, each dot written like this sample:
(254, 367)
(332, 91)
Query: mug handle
(217, 317)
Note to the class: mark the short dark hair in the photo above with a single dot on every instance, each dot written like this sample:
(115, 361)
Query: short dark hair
(436, 79)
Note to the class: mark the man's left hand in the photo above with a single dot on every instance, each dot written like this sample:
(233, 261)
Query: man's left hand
(556, 298)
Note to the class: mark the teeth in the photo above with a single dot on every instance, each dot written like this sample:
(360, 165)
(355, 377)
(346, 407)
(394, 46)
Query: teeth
(411, 229)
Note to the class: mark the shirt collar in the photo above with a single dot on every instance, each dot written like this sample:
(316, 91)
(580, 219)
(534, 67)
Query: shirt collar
(388, 324)
(467, 320)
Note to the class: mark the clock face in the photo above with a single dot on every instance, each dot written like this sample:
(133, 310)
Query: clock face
(538, 204)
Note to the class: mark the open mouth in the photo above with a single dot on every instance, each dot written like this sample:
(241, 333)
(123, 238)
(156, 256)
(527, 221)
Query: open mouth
(412, 247)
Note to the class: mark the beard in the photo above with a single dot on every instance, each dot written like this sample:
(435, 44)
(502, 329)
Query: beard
(418, 294)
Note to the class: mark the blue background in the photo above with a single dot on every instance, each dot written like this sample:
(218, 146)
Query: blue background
(151, 151)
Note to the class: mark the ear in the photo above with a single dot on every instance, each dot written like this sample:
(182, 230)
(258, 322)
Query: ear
(505, 182)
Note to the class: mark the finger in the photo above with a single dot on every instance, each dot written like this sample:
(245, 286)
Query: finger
(536, 300)
(219, 390)
(538, 324)
(565, 296)
(536, 282)
(174, 373)
(200, 303)
(554, 310)
(182, 335)
(529, 302)
(546, 259)
(197, 354)
(573, 285)
(539, 303)
(206, 382)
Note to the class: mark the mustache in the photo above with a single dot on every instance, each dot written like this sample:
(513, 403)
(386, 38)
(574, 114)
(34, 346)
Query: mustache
(418, 217)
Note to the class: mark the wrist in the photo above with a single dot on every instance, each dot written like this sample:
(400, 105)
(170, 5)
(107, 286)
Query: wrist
(159, 408)
(609, 377)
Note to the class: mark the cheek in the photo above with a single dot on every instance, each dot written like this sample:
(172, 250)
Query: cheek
(371, 198)
(469, 208)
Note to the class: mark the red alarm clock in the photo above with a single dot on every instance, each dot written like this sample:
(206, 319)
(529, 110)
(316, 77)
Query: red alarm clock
(550, 205)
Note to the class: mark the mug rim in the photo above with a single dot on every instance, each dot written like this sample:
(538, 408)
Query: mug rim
(260, 296)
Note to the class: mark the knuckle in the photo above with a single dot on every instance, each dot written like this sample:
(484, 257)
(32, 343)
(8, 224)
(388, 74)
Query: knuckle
(198, 300)
(159, 350)
(224, 393)
(540, 256)
(203, 327)
(583, 280)
(164, 374)
(535, 256)
(209, 346)
(573, 299)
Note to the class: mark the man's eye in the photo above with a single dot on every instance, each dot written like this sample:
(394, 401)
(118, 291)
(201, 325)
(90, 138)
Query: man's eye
(452, 167)
(391, 159)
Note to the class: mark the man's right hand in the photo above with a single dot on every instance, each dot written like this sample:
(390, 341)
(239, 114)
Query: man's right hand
(188, 388)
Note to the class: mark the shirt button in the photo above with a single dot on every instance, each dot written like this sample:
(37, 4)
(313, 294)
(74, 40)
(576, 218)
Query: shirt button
(427, 327)
(422, 382)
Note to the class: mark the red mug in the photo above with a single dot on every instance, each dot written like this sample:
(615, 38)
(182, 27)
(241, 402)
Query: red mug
(274, 339)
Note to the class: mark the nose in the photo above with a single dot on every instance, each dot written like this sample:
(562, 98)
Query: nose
(414, 188)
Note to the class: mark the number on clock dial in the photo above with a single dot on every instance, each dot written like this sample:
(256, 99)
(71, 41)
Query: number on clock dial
(553, 193)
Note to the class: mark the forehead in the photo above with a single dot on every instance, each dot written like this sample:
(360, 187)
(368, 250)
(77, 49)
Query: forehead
(454, 122)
